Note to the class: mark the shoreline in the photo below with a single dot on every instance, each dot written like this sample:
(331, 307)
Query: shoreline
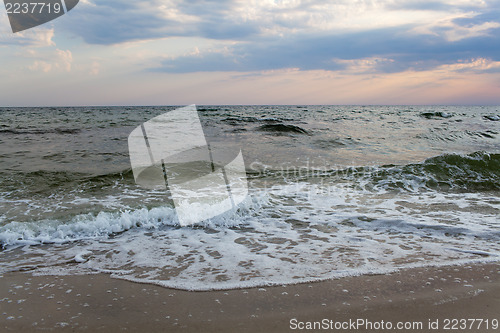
(98, 302)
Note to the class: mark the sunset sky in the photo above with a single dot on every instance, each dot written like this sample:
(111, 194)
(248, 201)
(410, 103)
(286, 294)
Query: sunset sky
(166, 52)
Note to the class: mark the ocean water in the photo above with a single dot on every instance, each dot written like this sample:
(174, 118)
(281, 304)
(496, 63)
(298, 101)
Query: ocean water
(333, 191)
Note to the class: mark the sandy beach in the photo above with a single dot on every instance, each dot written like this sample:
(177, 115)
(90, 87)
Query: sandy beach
(423, 299)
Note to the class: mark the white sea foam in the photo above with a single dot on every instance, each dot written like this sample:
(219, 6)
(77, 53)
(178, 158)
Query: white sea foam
(81, 257)
(83, 226)
(284, 234)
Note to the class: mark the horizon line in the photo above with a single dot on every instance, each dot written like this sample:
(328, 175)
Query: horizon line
(209, 105)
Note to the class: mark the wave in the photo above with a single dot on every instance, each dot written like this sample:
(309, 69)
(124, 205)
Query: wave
(208, 109)
(455, 136)
(334, 142)
(479, 171)
(286, 240)
(492, 117)
(476, 172)
(234, 121)
(438, 114)
(449, 173)
(282, 129)
(43, 181)
(83, 226)
(106, 224)
(41, 131)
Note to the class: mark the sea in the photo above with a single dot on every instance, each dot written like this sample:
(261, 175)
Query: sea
(333, 191)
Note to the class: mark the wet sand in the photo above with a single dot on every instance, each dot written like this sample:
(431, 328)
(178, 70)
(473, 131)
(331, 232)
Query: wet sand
(100, 303)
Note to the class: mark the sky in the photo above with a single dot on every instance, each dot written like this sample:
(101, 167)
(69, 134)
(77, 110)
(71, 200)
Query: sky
(167, 52)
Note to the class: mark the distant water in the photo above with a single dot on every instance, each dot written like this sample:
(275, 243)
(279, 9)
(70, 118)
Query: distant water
(334, 191)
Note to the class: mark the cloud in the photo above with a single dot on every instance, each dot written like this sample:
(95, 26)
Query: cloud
(108, 22)
(437, 5)
(363, 66)
(385, 36)
(261, 35)
(65, 58)
(401, 48)
(467, 25)
(40, 65)
(483, 29)
(479, 65)
(40, 37)
(95, 68)
(60, 60)
(117, 21)
(113, 21)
